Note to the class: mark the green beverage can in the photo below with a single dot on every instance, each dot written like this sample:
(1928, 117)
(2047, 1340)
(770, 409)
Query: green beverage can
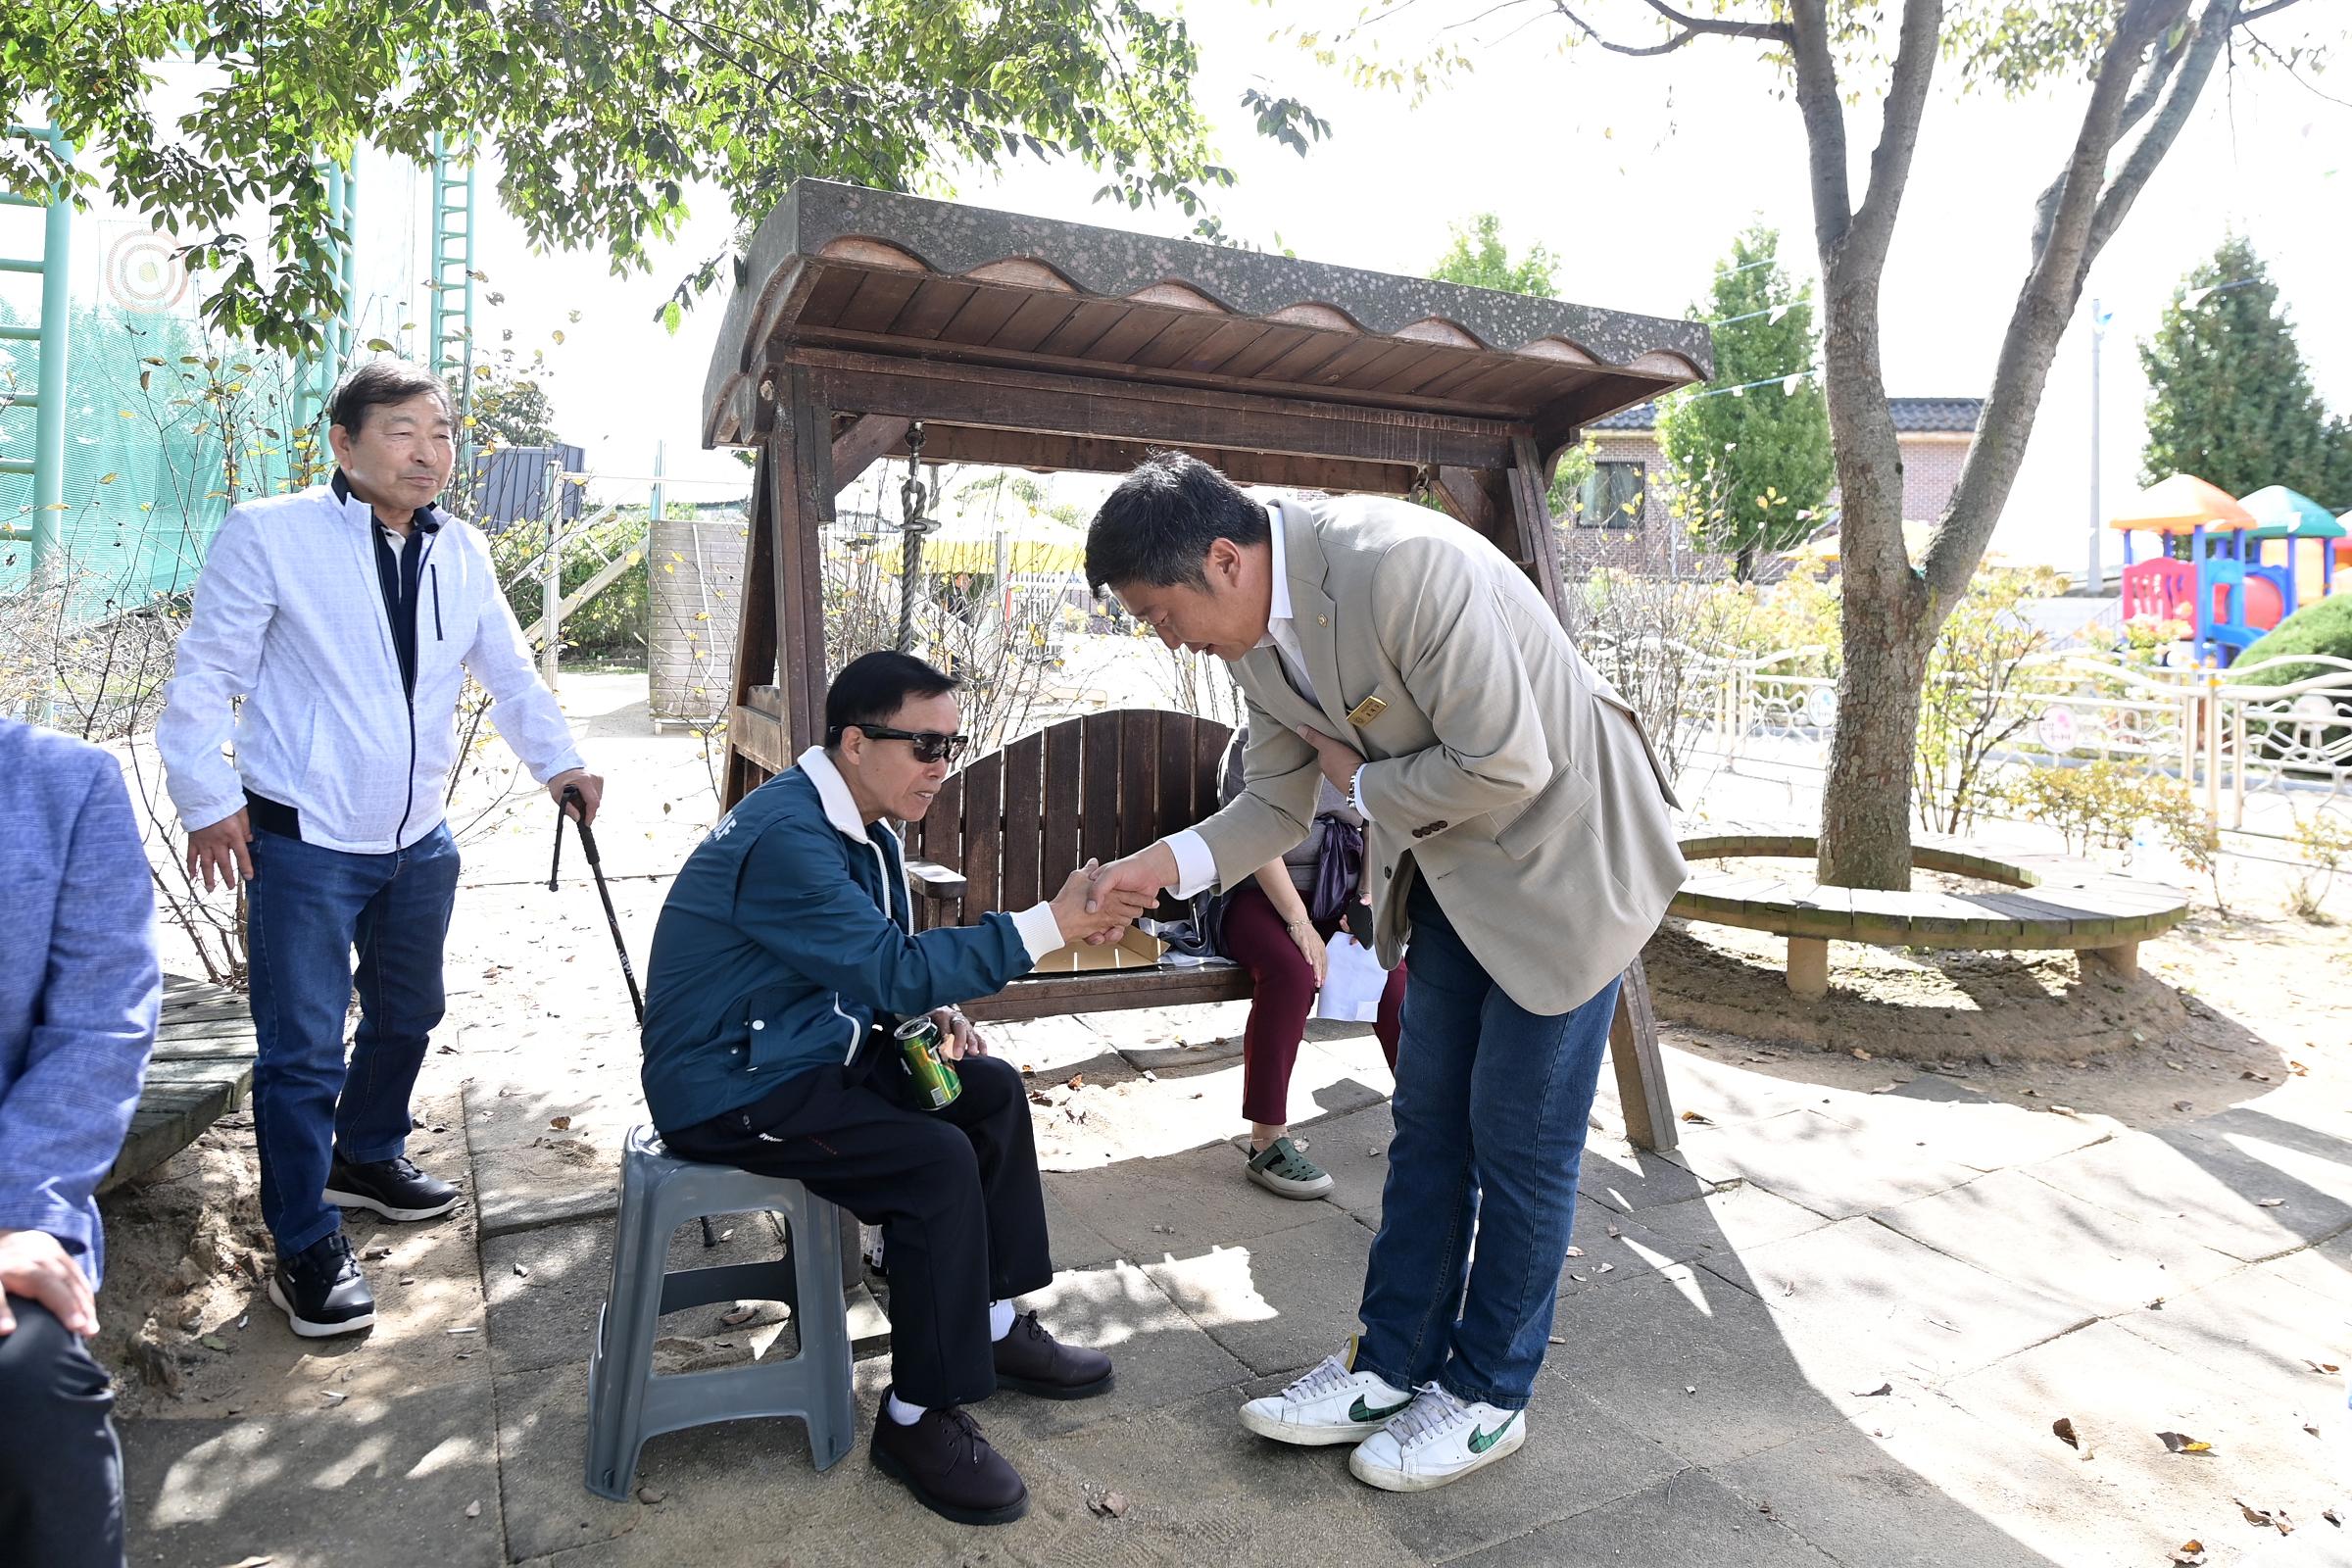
(934, 1080)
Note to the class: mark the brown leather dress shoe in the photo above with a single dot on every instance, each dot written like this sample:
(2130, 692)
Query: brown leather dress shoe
(949, 1466)
(1029, 1360)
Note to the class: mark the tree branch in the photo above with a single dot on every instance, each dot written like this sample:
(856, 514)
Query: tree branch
(2199, 51)
(1768, 31)
(1691, 27)
(1921, 40)
(1825, 126)
(2039, 319)
(2260, 12)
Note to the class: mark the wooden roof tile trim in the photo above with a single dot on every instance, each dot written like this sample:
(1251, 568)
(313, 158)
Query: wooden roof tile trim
(844, 268)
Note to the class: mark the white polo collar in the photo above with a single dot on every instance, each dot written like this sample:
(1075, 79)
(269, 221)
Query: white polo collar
(833, 792)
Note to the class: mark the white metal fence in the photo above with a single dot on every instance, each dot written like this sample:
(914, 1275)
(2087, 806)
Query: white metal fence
(2228, 737)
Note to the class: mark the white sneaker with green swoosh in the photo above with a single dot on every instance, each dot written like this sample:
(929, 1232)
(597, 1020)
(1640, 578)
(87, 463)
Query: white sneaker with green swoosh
(1329, 1404)
(1440, 1438)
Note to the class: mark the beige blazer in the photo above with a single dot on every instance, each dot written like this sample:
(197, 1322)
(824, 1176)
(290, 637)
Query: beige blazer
(1501, 765)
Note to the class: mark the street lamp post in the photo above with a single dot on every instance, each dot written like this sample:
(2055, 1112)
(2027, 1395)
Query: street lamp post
(2096, 582)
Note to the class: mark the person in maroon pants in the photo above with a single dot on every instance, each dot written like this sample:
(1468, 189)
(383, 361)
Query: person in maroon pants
(1270, 928)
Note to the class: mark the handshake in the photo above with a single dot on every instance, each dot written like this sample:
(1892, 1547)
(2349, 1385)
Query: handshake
(1098, 902)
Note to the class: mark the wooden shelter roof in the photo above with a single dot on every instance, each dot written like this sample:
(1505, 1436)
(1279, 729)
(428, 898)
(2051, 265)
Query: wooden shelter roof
(840, 277)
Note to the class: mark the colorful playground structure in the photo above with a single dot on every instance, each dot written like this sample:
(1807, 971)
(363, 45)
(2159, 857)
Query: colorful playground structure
(2228, 570)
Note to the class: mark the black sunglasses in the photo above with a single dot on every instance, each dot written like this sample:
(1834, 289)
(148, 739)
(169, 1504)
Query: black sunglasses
(929, 744)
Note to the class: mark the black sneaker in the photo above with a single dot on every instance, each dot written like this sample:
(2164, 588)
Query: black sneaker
(393, 1188)
(322, 1291)
(949, 1466)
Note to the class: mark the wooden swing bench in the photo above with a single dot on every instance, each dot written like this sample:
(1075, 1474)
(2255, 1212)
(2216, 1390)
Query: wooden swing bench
(862, 318)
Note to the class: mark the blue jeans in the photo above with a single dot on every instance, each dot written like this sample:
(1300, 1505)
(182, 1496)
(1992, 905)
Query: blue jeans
(1490, 1108)
(307, 908)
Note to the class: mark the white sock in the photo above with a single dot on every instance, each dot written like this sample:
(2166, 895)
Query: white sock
(901, 1411)
(1000, 1319)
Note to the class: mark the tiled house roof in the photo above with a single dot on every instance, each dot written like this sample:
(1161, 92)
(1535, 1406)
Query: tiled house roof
(1912, 416)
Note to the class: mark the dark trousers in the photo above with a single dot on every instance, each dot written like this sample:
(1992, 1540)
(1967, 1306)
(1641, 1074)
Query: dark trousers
(61, 1472)
(955, 1189)
(1283, 994)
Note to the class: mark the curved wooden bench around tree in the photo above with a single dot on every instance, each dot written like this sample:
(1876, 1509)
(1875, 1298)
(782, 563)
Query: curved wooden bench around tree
(2059, 902)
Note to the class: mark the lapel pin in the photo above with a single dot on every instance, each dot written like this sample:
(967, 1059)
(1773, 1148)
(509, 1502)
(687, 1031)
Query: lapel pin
(1365, 712)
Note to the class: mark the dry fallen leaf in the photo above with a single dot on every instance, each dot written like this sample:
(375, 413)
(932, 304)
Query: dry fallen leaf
(2064, 1427)
(1691, 1387)
(1111, 1504)
(2183, 1443)
(648, 1495)
(1860, 1054)
(1698, 1121)
(1614, 1232)
(522, 1271)
(1077, 1080)
(2258, 1077)
(2333, 1517)
(377, 1253)
(2268, 1202)
(562, 1124)
(2323, 1368)
(1556, 1339)
(1873, 1393)
(473, 1509)
(335, 1396)
(740, 1312)
(2298, 1069)
(2190, 1554)
(1605, 1268)
(2180, 1105)
(1576, 1251)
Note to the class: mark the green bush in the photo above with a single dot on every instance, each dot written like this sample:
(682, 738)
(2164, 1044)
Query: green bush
(613, 624)
(2322, 628)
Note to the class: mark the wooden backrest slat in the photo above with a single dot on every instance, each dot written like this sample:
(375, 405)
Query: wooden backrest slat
(1099, 787)
(1024, 822)
(1058, 851)
(1139, 778)
(983, 835)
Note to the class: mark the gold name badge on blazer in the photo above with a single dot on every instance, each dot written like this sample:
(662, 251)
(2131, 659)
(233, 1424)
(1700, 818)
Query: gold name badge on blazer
(1365, 712)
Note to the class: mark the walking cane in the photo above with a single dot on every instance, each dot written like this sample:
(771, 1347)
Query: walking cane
(596, 866)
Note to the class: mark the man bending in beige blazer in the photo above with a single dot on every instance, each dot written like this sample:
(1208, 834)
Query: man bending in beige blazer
(1516, 835)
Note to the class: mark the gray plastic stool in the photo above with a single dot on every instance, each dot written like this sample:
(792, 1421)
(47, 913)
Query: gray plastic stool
(626, 1402)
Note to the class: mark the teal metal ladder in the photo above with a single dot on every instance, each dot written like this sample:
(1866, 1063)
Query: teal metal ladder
(46, 467)
(451, 348)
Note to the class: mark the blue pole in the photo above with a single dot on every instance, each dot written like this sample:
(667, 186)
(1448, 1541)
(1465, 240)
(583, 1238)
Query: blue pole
(49, 427)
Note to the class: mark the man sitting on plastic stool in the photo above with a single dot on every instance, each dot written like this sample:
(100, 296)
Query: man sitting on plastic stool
(784, 959)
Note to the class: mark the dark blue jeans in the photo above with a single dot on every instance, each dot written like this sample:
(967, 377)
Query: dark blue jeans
(307, 909)
(1490, 1108)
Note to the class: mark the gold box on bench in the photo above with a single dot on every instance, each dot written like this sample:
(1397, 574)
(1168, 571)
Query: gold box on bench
(1135, 950)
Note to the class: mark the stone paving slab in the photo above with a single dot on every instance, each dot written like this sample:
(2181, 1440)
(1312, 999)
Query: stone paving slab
(1849, 1494)
(1160, 1356)
(1577, 1458)
(546, 1285)
(1630, 1179)
(1949, 1121)
(529, 1173)
(2028, 1232)
(371, 1481)
(1827, 1165)
(1635, 1252)
(1179, 1204)
(1639, 1353)
(2119, 1391)
(2259, 1330)
(1280, 1302)
(1734, 1219)
(744, 1492)
(1856, 1302)
(1685, 1518)
(2212, 1186)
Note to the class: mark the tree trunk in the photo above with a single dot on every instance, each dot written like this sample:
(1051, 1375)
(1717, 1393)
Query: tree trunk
(1866, 796)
